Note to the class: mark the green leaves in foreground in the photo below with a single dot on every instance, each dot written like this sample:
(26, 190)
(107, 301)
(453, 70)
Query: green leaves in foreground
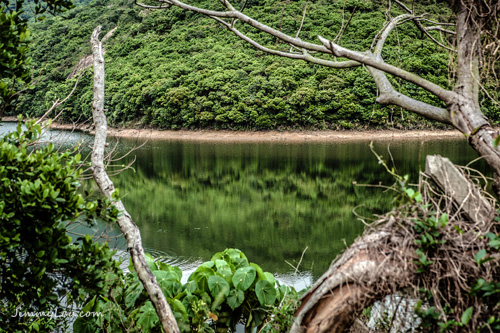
(221, 293)
(40, 264)
(244, 277)
(266, 293)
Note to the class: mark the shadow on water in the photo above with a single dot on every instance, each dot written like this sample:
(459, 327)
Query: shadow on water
(270, 200)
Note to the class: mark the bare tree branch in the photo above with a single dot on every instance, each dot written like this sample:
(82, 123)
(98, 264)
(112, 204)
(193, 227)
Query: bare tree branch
(370, 60)
(58, 102)
(301, 24)
(232, 13)
(388, 95)
(124, 220)
(439, 28)
(302, 56)
(422, 28)
(344, 27)
(438, 23)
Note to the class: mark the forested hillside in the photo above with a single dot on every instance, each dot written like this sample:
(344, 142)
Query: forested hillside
(174, 69)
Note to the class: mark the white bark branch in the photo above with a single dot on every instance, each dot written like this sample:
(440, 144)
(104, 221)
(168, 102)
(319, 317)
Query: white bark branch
(369, 59)
(439, 28)
(235, 14)
(426, 30)
(124, 220)
(388, 95)
(302, 56)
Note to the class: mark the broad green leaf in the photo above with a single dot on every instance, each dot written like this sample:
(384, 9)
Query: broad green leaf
(244, 277)
(224, 269)
(260, 271)
(168, 282)
(240, 262)
(191, 286)
(270, 278)
(266, 293)
(132, 294)
(410, 192)
(217, 256)
(208, 264)
(479, 256)
(147, 317)
(235, 298)
(178, 308)
(90, 304)
(151, 262)
(218, 287)
(235, 254)
(177, 271)
(201, 276)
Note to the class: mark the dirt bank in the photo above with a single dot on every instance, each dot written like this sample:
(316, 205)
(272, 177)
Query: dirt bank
(269, 136)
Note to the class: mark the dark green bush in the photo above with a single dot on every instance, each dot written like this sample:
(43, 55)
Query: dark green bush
(41, 267)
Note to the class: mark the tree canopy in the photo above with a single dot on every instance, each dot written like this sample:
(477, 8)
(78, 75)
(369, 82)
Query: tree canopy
(175, 69)
(15, 38)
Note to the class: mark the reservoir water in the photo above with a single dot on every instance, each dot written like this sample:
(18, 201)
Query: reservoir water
(270, 200)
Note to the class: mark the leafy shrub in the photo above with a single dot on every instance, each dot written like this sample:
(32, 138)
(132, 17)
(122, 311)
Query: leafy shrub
(39, 263)
(219, 294)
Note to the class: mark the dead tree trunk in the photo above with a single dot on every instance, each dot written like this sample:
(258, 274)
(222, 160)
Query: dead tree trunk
(383, 261)
(350, 284)
(124, 220)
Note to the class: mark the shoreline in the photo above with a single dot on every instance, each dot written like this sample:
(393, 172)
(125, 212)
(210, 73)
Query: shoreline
(267, 136)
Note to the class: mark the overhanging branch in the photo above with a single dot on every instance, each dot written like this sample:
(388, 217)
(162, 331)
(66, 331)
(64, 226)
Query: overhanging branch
(388, 95)
(302, 56)
(369, 59)
(235, 14)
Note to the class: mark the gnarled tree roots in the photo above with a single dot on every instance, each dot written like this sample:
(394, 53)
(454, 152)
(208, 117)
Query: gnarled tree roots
(424, 249)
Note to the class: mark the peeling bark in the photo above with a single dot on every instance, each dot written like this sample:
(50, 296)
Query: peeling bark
(124, 220)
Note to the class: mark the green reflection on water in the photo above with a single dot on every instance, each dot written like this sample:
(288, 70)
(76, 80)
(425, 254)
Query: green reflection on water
(269, 200)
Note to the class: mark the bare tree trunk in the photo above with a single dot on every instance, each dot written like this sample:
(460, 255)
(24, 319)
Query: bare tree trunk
(368, 270)
(125, 222)
(466, 111)
(383, 261)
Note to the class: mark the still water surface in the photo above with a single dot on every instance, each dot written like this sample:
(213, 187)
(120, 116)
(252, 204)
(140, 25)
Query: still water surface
(270, 200)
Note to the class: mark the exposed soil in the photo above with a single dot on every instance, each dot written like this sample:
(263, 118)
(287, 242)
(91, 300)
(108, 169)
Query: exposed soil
(268, 136)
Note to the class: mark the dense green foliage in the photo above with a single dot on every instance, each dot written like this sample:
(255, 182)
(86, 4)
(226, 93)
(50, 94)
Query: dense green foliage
(174, 69)
(14, 40)
(41, 268)
(220, 293)
(13, 51)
